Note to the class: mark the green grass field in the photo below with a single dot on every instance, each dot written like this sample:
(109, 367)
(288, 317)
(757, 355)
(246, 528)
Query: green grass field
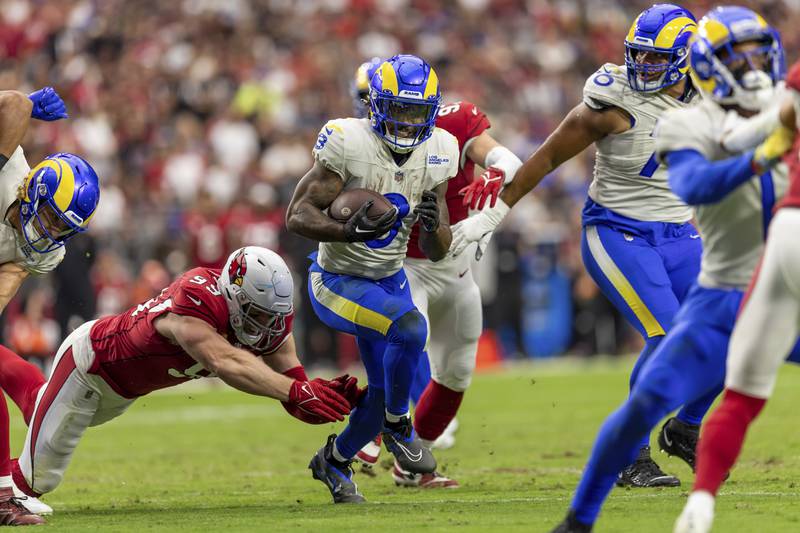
(213, 459)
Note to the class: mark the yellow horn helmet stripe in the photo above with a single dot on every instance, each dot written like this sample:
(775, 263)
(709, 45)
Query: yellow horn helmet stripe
(65, 190)
(389, 77)
(432, 87)
(668, 34)
(714, 31)
(632, 31)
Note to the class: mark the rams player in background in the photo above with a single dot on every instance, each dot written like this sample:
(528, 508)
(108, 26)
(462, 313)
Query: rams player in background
(356, 281)
(445, 291)
(638, 244)
(737, 60)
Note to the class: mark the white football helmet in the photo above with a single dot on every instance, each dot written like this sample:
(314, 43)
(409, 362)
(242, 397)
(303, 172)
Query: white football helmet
(258, 287)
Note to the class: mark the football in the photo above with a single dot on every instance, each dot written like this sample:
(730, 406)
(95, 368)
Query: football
(349, 201)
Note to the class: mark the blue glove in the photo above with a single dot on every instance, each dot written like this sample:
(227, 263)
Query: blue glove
(47, 105)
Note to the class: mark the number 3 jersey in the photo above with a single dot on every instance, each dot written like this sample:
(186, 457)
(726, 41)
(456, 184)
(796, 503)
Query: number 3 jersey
(627, 178)
(134, 359)
(351, 149)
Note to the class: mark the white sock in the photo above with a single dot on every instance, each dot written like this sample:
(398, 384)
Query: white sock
(395, 418)
(5, 482)
(338, 456)
(427, 443)
(701, 498)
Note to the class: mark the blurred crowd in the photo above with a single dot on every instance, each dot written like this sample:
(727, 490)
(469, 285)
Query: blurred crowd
(199, 116)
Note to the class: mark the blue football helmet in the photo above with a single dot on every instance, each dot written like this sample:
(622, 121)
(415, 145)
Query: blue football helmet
(662, 31)
(60, 197)
(360, 87)
(404, 98)
(733, 77)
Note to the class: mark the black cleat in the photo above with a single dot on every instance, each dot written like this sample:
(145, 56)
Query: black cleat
(644, 472)
(571, 525)
(337, 476)
(679, 439)
(411, 455)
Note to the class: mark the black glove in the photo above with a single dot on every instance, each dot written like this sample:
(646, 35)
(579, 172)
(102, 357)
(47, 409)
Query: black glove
(360, 228)
(428, 211)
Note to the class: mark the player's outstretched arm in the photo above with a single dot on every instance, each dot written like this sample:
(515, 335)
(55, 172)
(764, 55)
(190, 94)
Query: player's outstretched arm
(15, 114)
(501, 166)
(435, 235)
(580, 128)
(236, 367)
(314, 193)
(246, 372)
(11, 277)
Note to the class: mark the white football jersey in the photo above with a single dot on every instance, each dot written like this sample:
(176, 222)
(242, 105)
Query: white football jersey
(351, 149)
(732, 229)
(13, 247)
(627, 178)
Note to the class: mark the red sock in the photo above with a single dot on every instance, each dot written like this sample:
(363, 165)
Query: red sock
(722, 439)
(21, 380)
(5, 446)
(436, 408)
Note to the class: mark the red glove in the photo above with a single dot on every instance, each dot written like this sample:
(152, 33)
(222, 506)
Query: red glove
(487, 185)
(314, 402)
(348, 387)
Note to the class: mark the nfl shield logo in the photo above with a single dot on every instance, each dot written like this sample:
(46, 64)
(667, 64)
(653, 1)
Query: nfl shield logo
(398, 176)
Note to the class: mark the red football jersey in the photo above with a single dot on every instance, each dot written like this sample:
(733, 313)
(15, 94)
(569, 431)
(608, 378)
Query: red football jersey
(134, 359)
(464, 121)
(792, 198)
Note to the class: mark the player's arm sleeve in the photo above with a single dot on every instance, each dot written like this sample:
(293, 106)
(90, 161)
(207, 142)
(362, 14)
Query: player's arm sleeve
(696, 180)
(685, 145)
(329, 149)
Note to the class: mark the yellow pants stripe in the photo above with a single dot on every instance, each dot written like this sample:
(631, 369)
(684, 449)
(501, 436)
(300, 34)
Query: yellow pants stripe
(348, 309)
(621, 283)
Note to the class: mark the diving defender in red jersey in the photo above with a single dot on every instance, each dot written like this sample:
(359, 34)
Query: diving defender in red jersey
(233, 323)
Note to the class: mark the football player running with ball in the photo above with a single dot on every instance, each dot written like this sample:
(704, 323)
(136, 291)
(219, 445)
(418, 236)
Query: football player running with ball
(445, 292)
(736, 62)
(638, 244)
(356, 281)
(234, 323)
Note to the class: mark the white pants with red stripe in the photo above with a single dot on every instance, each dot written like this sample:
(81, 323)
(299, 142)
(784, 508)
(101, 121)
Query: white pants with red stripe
(446, 294)
(67, 404)
(769, 323)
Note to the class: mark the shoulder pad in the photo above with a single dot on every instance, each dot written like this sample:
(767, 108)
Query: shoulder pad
(329, 148)
(46, 263)
(607, 87)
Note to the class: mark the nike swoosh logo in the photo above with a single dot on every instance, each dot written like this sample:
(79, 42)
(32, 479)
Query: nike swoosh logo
(667, 440)
(359, 230)
(695, 236)
(305, 388)
(197, 302)
(414, 457)
(463, 273)
(403, 285)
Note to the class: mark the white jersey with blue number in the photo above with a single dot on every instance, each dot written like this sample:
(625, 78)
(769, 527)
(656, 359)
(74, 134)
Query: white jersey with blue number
(733, 229)
(13, 247)
(351, 149)
(627, 178)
